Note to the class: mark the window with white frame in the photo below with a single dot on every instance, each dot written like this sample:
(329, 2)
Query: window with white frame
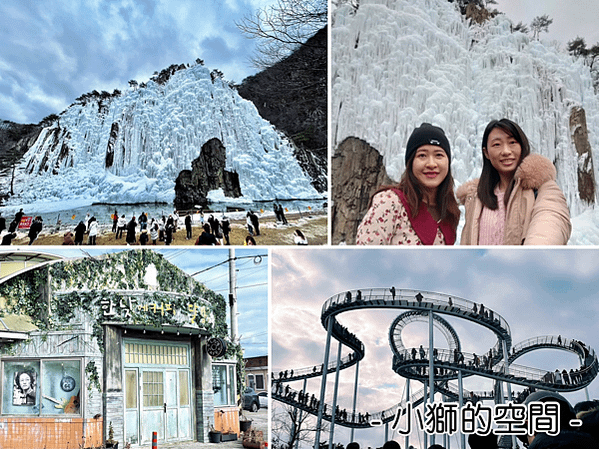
(224, 384)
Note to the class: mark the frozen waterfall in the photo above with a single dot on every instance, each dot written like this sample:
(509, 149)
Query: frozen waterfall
(131, 148)
(398, 63)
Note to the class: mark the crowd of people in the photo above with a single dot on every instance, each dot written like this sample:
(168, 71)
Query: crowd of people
(143, 229)
(11, 234)
(578, 424)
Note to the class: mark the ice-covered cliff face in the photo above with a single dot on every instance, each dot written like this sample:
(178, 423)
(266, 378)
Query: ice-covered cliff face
(398, 63)
(131, 148)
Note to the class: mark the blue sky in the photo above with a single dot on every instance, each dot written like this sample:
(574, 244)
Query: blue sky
(252, 284)
(539, 292)
(54, 51)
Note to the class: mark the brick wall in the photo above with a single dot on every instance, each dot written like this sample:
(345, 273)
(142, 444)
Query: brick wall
(50, 433)
(204, 414)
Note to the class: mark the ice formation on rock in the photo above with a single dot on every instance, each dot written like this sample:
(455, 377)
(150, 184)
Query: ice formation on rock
(398, 63)
(131, 148)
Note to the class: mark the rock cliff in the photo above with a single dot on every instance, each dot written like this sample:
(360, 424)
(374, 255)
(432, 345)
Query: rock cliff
(359, 172)
(207, 173)
(292, 95)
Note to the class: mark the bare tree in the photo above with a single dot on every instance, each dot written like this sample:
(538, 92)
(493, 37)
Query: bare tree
(540, 24)
(282, 27)
(291, 426)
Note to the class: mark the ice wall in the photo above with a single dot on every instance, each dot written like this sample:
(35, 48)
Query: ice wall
(398, 63)
(155, 132)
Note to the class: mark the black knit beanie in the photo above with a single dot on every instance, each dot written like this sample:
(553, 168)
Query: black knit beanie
(427, 134)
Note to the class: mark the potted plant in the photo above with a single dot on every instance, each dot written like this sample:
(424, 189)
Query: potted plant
(229, 435)
(214, 436)
(111, 442)
(244, 423)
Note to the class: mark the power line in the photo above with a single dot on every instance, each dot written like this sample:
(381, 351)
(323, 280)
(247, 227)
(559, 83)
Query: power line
(256, 256)
(242, 287)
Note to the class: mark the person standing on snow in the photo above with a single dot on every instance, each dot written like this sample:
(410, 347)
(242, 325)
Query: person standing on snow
(79, 232)
(255, 223)
(169, 229)
(282, 214)
(131, 231)
(35, 229)
(115, 220)
(248, 221)
(188, 226)
(154, 231)
(226, 226)
(93, 230)
(121, 226)
(143, 221)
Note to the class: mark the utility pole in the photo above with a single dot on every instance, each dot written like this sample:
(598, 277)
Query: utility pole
(233, 295)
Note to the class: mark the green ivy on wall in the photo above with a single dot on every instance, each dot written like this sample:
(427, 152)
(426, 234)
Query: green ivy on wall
(24, 295)
(235, 352)
(91, 371)
(85, 285)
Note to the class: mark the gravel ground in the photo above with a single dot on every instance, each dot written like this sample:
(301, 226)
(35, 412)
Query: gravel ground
(259, 422)
(314, 226)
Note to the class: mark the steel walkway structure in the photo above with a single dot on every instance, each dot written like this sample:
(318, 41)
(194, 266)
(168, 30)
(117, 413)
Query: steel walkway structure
(415, 363)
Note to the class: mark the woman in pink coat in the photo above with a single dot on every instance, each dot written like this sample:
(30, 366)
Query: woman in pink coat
(516, 201)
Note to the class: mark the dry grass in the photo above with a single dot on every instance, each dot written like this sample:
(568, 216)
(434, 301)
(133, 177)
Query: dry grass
(314, 227)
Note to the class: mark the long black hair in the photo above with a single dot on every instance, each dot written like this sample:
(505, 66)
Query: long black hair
(447, 205)
(489, 177)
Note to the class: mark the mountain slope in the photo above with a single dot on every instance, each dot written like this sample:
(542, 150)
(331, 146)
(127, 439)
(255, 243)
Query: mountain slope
(132, 147)
(292, 95)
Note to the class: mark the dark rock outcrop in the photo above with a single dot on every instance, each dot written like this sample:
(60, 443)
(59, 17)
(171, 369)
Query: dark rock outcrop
(15, 140)
(292, 95)
(114, 134)
(357, 172)
(207, 173)
(314, 164)
(580, 138)
(55, 140)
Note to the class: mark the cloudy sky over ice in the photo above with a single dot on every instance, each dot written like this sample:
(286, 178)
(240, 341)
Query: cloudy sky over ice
(53, 52)
(538, 292)
(570, 19)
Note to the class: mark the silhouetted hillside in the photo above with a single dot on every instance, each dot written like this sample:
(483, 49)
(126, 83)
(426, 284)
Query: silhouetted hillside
(292, 95)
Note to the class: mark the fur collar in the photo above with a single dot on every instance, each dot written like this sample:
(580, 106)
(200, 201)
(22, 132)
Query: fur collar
(534, 171)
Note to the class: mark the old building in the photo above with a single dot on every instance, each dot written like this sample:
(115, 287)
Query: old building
(256, 373)
(122, 342)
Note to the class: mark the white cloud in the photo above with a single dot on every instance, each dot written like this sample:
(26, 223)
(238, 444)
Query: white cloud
(512, 283)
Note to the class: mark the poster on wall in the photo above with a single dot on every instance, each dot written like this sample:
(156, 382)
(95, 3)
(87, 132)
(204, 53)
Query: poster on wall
(24, 388)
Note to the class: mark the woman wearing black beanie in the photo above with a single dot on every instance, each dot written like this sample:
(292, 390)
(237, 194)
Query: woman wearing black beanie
(422, 209)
